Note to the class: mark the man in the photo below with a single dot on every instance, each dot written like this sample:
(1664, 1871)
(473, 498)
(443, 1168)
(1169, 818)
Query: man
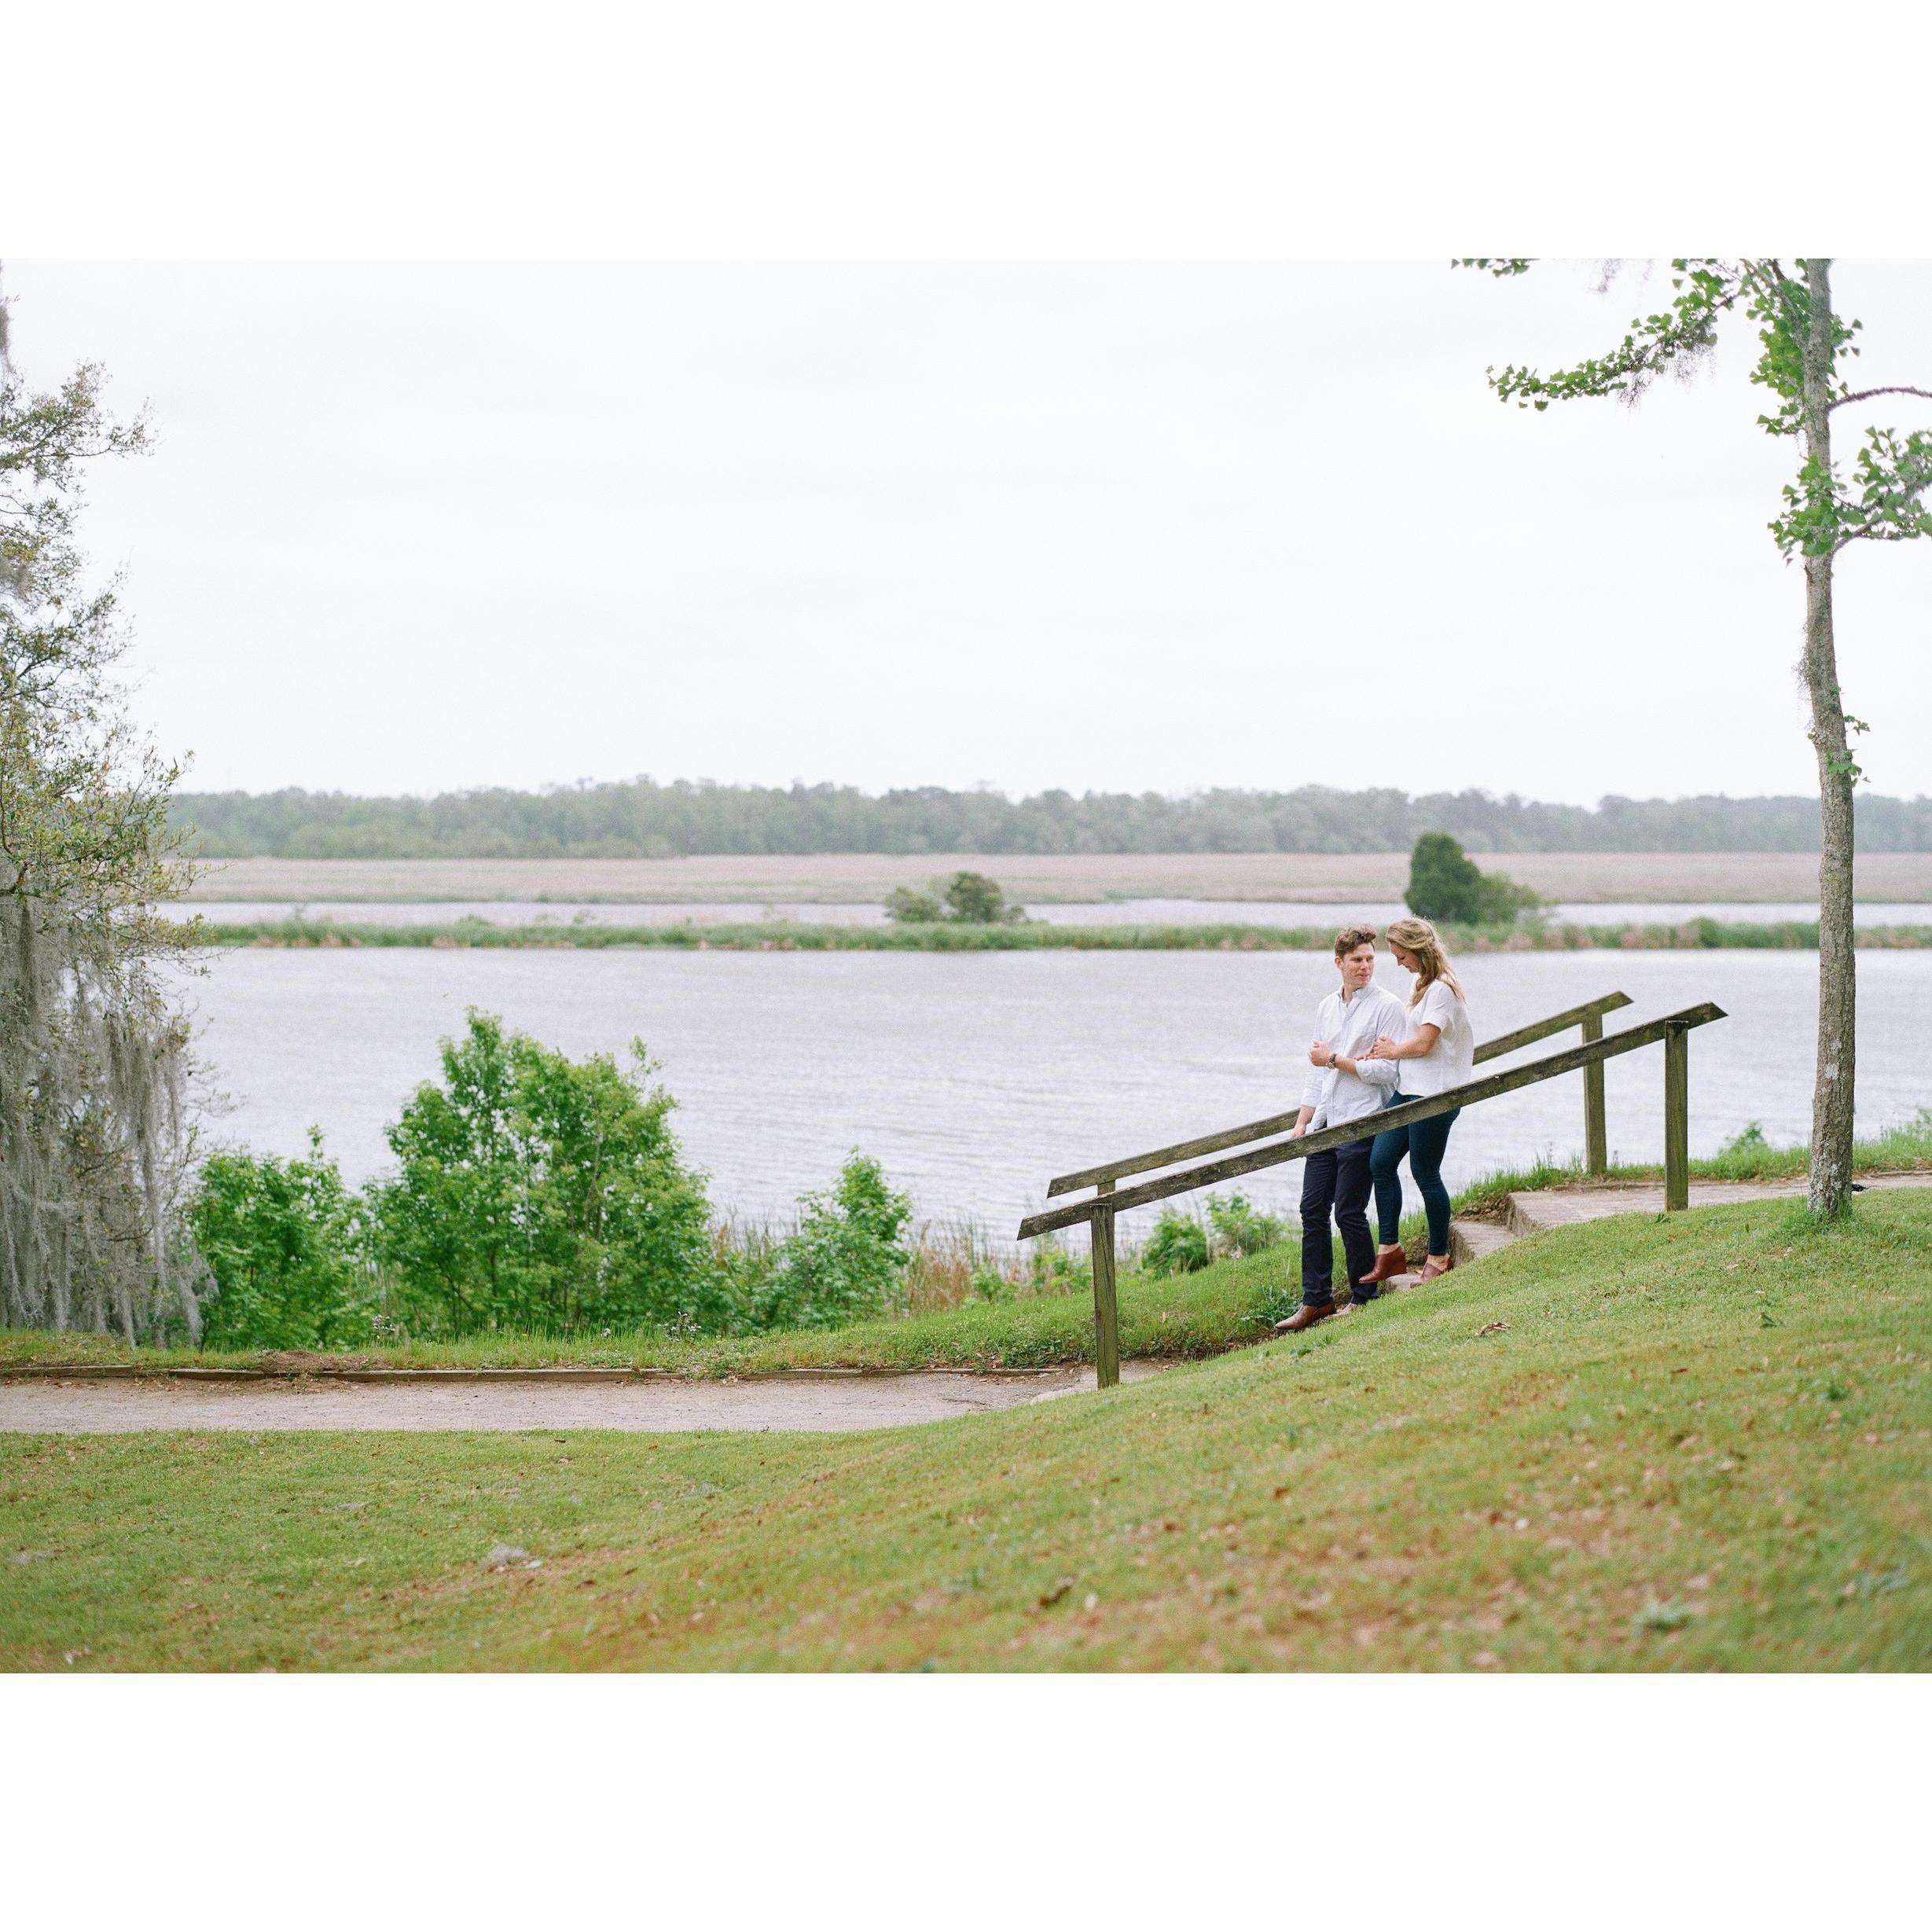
(1344, 1084)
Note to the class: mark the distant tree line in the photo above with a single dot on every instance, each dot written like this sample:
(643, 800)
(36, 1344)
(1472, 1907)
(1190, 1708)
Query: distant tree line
(642, 819)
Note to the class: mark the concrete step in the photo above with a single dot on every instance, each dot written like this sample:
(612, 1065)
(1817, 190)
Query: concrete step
(1471, 1240)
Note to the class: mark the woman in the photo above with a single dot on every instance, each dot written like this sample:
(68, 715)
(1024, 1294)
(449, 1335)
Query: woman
(1438, 1054)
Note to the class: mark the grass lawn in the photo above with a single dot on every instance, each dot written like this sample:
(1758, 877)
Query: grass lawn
(1692, 1442)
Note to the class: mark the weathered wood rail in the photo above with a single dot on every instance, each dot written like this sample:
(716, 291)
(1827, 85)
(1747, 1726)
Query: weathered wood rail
(1109, 1199)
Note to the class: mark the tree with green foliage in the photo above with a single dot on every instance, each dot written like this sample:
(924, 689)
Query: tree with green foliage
(843, 1260)
(966, 899)
(976, 900)
(283, 1243)
(1446, 884)
(539, 1193)
(1800, 341)
(906, 906)
(94, 1137)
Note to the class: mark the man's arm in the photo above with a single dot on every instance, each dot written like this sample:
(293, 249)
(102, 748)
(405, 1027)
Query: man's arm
(1312, 1087)
(1381, 1073)
(1376, 1066)
(1384, 1076)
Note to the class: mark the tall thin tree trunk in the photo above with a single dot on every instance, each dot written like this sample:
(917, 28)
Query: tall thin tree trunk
(1832, 1095)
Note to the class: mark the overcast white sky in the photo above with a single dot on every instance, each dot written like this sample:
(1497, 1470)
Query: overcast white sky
(410, 528)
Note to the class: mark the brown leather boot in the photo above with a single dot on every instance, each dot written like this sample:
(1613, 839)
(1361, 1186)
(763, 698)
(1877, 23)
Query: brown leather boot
(1386, 1268)
(1304, 1317)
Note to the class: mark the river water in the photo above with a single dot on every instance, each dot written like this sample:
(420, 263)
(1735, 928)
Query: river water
(974, 1078)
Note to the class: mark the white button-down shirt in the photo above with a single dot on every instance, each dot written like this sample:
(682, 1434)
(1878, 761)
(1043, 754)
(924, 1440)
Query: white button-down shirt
(1351, 1026)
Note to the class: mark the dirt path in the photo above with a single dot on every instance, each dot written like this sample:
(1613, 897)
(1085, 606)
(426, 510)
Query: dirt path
(834, 1402)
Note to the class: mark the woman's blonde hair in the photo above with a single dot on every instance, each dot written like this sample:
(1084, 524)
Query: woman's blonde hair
(1419, 937)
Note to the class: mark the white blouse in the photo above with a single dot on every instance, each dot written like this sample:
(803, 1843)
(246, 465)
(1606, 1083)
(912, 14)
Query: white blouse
(1451, 1062)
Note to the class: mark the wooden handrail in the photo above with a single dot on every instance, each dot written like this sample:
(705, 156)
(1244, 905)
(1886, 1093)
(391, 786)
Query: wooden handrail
(1591, 1010)
(1557, 1022)
(1592, 1054)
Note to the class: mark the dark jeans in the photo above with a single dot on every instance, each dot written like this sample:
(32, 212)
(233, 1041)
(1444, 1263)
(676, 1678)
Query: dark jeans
(1422, 1145)
(1335, 1182)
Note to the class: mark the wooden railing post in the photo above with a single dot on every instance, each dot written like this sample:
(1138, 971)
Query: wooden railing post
(1106, 1310)
(1596, 1131)
(1676, 1119)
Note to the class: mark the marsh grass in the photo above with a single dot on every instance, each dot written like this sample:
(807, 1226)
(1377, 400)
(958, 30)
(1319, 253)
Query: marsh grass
(950, 1262)
(1343, 878)
(1529, 935)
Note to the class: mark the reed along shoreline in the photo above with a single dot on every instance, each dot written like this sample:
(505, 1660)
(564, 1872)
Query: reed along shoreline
(1534, 936)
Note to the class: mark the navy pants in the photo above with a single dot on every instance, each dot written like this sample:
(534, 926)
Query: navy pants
(1334, 1182)
(1422, 1144)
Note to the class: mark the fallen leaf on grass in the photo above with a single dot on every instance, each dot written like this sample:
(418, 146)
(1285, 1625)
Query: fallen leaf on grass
(1058, 1590)
(1494, 1327)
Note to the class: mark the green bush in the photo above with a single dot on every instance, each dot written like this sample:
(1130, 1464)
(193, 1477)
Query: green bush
(1178, 1245)
(843, 1260)
(965, 899)
(1240, 1229)
(974, 900)
(989, 1284)
(1445, 885)
(537, 1192)
(283, 1241)
(906, 906)
(1052, 1269)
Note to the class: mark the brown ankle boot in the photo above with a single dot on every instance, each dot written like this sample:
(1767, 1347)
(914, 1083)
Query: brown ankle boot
(1386, 1268)
(1304, 1317)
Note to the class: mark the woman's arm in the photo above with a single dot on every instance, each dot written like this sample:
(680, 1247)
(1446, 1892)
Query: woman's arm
(1419, 1044)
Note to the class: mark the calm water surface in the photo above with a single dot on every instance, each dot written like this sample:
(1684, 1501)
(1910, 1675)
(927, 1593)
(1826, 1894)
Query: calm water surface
(975, 1078)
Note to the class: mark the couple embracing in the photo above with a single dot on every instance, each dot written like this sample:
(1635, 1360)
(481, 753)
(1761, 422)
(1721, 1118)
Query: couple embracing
(1372, 1052)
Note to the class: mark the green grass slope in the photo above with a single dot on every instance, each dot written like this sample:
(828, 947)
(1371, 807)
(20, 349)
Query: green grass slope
(1696, 1442)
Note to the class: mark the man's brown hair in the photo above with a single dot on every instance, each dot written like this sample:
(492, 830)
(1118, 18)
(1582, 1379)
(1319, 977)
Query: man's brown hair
(1350, 937)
